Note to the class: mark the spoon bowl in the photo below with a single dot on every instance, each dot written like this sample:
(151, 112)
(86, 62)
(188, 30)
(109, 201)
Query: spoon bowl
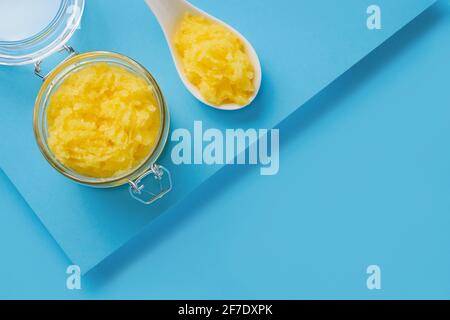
(169, 13)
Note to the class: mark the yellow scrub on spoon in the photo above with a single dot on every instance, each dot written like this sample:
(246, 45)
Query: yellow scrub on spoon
(103, 121)
(215, 61)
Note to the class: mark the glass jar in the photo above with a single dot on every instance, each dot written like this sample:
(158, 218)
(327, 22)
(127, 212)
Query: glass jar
(134, 177)
(149, 181)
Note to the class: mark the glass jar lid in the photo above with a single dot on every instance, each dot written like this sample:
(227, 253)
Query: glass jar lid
(31, 30)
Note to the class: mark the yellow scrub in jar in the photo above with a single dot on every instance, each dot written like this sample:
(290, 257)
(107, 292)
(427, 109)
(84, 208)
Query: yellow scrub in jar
(215, 61)
(103, 121)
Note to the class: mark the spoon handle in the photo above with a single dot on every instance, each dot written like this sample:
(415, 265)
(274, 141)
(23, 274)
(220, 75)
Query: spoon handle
(168, 12)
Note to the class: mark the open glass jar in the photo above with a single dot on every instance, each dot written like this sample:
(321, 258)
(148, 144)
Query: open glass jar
(148, 181)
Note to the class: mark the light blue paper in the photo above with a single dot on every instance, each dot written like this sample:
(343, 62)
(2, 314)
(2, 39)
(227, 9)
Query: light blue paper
(303, 46)
(313, 241)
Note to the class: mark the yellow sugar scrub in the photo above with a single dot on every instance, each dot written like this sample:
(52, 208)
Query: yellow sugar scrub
(103, 121)
(215, 61)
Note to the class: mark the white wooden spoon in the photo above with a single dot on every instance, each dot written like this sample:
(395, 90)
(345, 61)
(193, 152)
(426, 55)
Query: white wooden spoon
(169, 14)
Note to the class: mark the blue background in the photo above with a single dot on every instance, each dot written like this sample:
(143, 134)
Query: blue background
(300, 54)
(363, 180)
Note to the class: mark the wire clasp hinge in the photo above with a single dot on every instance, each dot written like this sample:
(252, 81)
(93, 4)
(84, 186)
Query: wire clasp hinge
(38, 65)
(147, 190)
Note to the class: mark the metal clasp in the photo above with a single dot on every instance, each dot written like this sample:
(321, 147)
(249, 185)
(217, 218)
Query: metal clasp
(38, 65)
(148, 191)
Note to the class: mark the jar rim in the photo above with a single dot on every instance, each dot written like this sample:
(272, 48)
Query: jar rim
(57, 76)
